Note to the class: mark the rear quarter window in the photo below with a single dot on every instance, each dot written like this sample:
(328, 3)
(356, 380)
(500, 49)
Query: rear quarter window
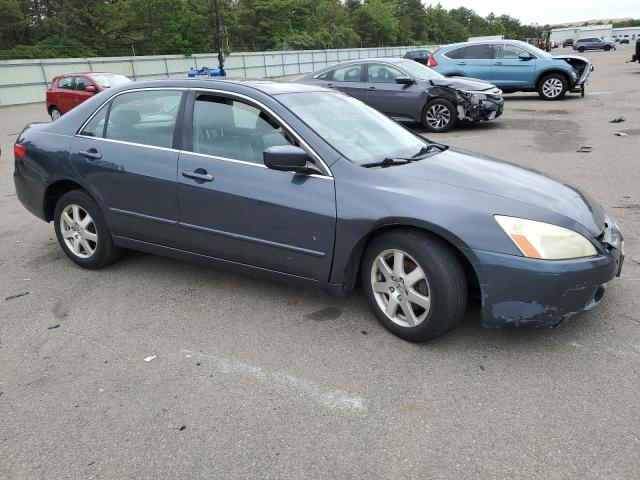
(456, 53)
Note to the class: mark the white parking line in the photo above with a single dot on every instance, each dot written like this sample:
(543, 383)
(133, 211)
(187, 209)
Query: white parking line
(334, 399)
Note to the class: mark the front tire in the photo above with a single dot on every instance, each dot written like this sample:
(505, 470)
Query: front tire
(82, 231)
(607, 48)
(581, 49)
(414, 284)
(439, 115)
(552, 87)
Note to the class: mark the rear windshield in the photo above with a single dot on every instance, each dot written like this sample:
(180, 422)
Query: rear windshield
(110, 80)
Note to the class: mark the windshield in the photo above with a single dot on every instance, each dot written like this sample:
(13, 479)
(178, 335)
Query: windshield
(358, 132)
(418, 71)
(536, 51)
(110, 80)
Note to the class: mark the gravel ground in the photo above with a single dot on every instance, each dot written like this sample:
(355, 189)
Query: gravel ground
(251, 379)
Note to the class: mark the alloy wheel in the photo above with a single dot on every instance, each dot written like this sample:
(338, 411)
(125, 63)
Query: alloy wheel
(400, 288)
(552, 87)
(78, 231)
(438, 116)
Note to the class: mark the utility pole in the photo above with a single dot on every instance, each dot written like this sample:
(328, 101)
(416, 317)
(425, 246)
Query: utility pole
(218, 39)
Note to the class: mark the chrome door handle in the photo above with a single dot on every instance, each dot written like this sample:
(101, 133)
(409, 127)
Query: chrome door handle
(461, 63)
(91, 154)
(199, 174)
(372, 88)
(498, 63)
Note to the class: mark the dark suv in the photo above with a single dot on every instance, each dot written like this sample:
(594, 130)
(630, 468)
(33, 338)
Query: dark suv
(593, 43)
(420, 56)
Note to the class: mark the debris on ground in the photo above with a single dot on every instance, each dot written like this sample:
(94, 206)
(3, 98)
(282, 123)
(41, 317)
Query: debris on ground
(17, 295)
(585, 149)
(617, 120)
(150, 357)
(364, 332)
(52, 327)
(621, 134)
(182, 428)
(481, 367)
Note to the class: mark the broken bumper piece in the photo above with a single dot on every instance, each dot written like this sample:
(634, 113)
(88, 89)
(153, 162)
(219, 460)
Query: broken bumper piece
(518, 291)
(481, 107)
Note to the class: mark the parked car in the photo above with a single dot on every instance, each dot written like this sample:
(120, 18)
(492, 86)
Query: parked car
(309, 185)
(514, 66)
(636, 56)
(567, 43)
(420, 56)
(408, 91)
(593, 43)
(624, 40)
(69, 91)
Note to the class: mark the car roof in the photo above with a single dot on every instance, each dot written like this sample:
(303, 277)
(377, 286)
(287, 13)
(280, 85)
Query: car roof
(269, 87)
(492, 42)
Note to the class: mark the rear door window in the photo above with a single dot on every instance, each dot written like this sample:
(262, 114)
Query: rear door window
(348, 73)
(477, 52)
(144, 117)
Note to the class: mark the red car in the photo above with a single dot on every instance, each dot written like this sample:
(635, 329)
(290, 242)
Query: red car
(68, 91)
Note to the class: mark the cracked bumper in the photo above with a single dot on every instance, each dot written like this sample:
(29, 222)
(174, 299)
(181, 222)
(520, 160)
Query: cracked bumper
(517, 291)
(481, 111)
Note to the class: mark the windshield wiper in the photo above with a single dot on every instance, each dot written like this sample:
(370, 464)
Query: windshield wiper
(387, 162)
(428, 148)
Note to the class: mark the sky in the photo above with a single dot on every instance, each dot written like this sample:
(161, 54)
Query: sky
(549, 12)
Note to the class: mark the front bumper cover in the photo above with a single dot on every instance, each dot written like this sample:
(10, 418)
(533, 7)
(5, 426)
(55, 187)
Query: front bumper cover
(518, 291)
(476, 110)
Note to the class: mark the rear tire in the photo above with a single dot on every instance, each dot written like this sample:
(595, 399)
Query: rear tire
(581, 49)
(82, 231)
(439, 115)
(423, 295)
(55, 113)
(607, 48)
(552, 87)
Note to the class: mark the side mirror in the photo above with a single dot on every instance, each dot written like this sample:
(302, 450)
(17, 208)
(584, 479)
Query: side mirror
(524, 56)
(90, 89)
(404, 80)
(288, 158)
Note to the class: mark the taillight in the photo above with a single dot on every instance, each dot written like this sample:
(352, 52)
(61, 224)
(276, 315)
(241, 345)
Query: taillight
(431, 61)
(19, 151)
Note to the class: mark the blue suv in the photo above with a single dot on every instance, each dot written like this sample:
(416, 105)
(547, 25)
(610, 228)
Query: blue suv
(513, 66)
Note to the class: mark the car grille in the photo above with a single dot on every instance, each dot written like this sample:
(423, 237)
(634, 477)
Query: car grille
(494, 93)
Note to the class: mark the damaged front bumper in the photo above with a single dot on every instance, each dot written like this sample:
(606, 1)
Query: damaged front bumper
(480, 106)
(519, 291)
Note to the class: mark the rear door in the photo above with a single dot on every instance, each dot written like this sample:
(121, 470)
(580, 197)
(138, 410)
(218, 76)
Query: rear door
(509, 71)
(348, 79)
(475, 61)
(125, 153)
(384, 94)
(242, 211)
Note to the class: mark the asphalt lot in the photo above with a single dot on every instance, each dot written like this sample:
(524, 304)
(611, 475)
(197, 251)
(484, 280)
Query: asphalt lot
(273, 382)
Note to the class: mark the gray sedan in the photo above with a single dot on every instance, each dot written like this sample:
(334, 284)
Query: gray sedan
(409, 91)
(310, 186)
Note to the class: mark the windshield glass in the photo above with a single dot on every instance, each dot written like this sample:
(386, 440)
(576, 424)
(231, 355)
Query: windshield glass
(358, 132)
(110, 80)
(537, 52)
(418, 70)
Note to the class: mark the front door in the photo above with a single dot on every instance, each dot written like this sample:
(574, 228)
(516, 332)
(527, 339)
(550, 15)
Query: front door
(509, 70)
(235, 208)
(125, 154)
(81, 94)
(384, 94)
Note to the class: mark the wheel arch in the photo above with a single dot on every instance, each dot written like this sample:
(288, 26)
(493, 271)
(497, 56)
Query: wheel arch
(354, 264)
(559, 71)
(55, 191)
(51, 107)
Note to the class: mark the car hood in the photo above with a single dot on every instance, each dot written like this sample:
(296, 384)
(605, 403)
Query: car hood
(571, 57)
(462, 83)
(496, 177)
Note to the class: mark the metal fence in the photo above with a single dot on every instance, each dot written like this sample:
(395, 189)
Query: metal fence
(25, 81)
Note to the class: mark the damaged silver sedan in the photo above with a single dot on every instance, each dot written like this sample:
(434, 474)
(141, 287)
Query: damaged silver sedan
(410, 92)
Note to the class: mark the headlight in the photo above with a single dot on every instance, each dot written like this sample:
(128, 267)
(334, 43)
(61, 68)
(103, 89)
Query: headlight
(545, 241)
